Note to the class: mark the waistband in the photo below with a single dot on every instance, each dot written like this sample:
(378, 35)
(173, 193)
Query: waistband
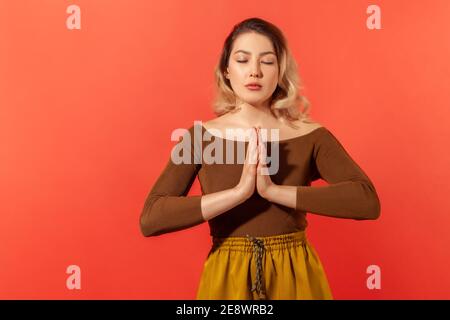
(260, 245)
(270, 243)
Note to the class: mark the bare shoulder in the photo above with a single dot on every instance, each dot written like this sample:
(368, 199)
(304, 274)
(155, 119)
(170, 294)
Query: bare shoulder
(220, 123)
(306, 127)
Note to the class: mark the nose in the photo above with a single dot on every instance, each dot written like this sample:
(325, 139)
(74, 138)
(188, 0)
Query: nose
(255, 70)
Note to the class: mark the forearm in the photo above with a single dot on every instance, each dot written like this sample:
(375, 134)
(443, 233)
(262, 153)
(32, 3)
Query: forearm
(349, 200)
(164, 214)
(284, 195)
(216, 203)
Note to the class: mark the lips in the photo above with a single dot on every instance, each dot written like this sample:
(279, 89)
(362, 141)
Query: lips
(253, 86)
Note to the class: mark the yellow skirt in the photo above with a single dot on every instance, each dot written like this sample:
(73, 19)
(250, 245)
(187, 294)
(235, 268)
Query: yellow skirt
(277, 267)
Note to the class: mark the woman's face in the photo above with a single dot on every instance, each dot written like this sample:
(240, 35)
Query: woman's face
(253, 59)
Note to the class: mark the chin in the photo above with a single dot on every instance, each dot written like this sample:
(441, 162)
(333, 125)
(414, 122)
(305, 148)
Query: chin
(254, 101)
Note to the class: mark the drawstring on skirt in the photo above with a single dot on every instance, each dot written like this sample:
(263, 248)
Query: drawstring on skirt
(258, 249)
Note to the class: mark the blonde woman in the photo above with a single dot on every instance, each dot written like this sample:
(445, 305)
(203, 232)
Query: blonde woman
(256, 211)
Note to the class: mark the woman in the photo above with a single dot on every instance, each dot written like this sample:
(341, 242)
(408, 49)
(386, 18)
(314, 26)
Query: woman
(257, 212)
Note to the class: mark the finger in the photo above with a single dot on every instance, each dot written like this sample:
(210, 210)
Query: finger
(257, 132)
(257, 148)
(248, 156)
(260, 146)
(257, 135)
(263, 155)
(254, 152)
(254, 141)
(247, 152)
(264, 161)
(261, 142)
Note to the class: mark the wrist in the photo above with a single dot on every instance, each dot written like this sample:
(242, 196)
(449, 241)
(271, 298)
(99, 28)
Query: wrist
(240, 196)
(270, 192)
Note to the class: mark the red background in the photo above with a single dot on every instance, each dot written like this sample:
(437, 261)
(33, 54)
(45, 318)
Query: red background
(86, 117)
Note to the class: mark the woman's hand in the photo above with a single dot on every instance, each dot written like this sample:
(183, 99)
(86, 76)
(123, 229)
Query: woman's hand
(255, 172)
(264, 183)
(247, 183)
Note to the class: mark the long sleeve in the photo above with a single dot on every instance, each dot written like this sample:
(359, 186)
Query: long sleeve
(167, 207)
(350, 193)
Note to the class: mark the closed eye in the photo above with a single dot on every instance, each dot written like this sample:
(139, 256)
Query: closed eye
(243, 61)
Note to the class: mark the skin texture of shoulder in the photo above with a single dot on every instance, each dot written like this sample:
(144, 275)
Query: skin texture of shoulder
(286, 132)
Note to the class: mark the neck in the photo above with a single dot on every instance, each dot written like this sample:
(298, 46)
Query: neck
(255, 115)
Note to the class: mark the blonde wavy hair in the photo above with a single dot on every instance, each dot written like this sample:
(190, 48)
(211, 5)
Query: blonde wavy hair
(286, 99)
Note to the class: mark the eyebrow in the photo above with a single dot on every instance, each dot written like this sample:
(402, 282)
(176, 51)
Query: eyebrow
(261, 54)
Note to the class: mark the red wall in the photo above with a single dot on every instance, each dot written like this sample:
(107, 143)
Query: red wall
(86, 117)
